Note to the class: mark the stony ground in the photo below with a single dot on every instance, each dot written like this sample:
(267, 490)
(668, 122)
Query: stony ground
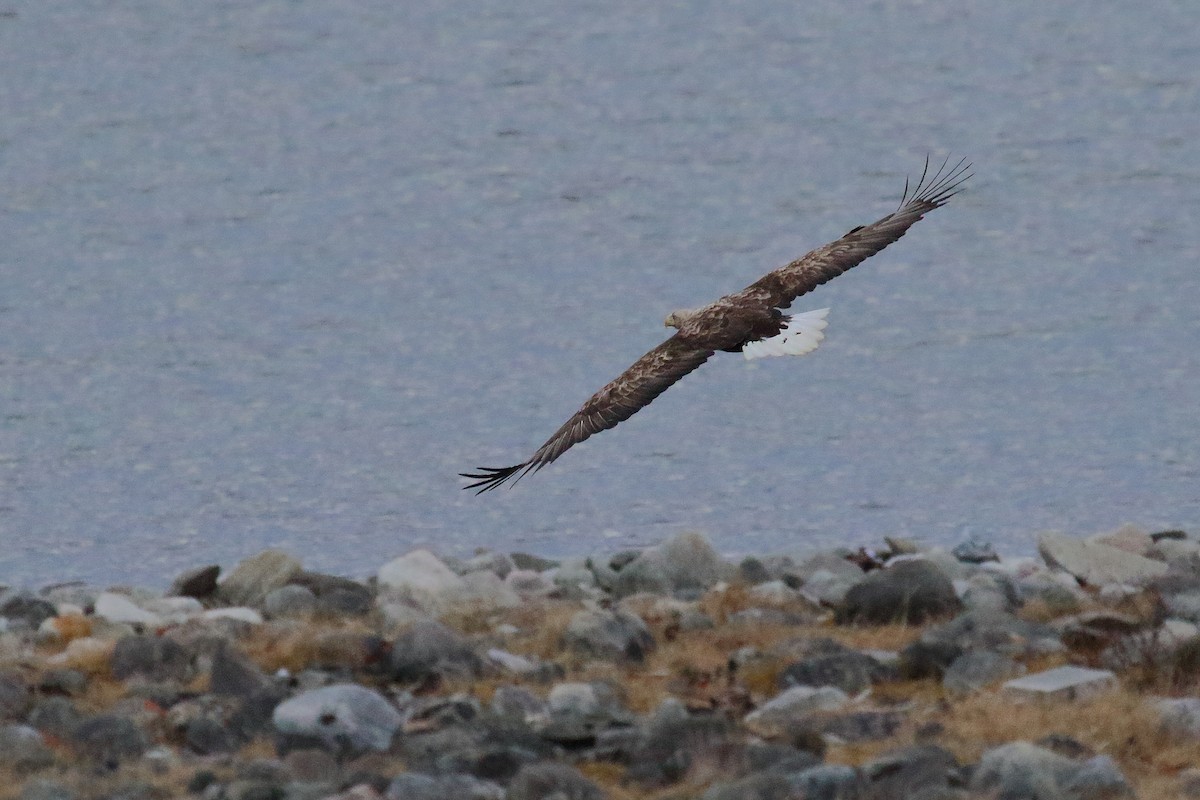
(666, 673)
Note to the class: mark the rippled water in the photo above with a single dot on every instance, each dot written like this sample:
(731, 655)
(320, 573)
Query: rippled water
(273, 273)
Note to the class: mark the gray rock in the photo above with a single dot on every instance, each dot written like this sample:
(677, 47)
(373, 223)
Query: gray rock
(673, 741)
(155, 658)
(430, 649)
(56, 716)
(1180, 716)
(990, 592)
(416, 786)
(849, 671)
(15, 695)
(910, 770)
(612, 635)
(109, 739)
(62, 681)
(552, 781)
(342, 717)
(1189, 783)
(858, 726)
(975, 670)
(517, 702)
(1023, 770)
(22, 749)
(289, 601)
(975, 551)
(253, 578)
(987, 630)
(45, 790)
(1097, 564)
(686, 563)
(829, 782)
(25, 609)
(762, 786)
(234, 675)
(1064, 683)
(1185, 605)
(1098, 778)
(910, 592)
(198, 582)
(785, 711)
(207, 736)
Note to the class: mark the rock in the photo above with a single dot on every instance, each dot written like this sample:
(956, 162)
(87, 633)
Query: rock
(22, 749)
(234, 675)
(253, 578)
(858, 726)
(1097, 564)
(911, 771)
(497, 563)
(910, 592)
(289, 601)
(236, 616)
(990, 591)
(975, 670)
(430, 649)
(206, 736)
(781, 713)
(342, 717)
(1184, 605)
(1189, 783)
(827, 588)
(1129, 538)
(685, 563)
(25, 609)
(119, 608)
(15, 695)
(45, 790)
(1061, 683)
(109, 739)
(152, 657)
(1181, 554)
(552, 781)
(1180, 716)
(55, 716)
(849, 671)
(1023, 770)
(198, 582)
(608, 635)
(421, 578)
(673, 742)
(416, 786)
(336, 595)
(828, 782)
(1099, 778)
(975, 551)
(517, 702)
(761, 786)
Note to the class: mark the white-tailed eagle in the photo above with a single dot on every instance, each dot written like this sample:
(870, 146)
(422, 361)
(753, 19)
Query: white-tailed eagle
(751, 322)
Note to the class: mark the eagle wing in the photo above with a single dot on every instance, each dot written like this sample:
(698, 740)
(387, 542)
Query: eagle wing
(779, 288)
(635, 388)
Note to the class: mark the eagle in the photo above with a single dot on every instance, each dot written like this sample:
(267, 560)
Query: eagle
(751, 322)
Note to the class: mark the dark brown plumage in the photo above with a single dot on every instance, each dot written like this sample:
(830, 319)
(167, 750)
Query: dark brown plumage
(750, 317)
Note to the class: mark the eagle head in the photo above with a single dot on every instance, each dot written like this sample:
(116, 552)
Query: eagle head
(676, 318)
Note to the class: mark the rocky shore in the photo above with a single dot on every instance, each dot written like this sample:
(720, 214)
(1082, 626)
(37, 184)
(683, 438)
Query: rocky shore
(670, 673)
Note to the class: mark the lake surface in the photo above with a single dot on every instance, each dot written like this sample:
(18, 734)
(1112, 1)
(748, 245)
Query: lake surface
(273, 273)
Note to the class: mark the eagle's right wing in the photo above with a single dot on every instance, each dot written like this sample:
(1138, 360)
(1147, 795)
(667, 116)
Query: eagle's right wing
(779, 288)
(635, 388)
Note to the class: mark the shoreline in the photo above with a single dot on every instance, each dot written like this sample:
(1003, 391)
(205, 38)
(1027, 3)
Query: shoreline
(668, 672)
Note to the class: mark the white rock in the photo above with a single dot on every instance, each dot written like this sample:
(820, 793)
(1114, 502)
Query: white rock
(119, 608)
(1180, 715)
(176, 609)
(421, 577)
(237, 613)
(341, 713)
(1061, 683)
(511, 661)
(580, 698)
(1097, 564)
(776, 715)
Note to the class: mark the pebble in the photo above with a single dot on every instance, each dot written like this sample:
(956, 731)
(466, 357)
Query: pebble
(362, 693)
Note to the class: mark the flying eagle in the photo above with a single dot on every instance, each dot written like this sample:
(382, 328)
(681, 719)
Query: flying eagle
(751, 322)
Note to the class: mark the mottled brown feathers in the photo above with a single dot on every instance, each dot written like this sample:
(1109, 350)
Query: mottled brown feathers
(732, 322)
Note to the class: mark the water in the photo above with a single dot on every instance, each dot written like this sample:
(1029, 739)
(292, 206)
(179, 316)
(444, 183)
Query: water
(273, 273)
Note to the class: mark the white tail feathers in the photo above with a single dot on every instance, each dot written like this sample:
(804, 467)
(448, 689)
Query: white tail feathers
(803, 334)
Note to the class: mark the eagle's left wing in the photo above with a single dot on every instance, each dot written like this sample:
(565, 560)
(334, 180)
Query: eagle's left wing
(635, 388)
(779, 288)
